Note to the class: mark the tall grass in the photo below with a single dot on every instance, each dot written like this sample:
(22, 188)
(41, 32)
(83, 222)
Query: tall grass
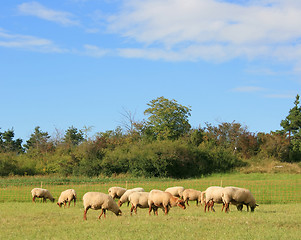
(267, 188)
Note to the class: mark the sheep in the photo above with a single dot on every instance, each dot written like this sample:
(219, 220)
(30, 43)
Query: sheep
(213, 195)
(176, 191)
(116, 192)
(98, 200)
(192, 195)
(138, 199)
(165, 200)
(41, 193)
(125, 197)
(67, 196)
(238, 196)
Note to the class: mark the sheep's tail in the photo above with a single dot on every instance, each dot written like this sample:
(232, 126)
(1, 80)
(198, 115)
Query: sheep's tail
(203, 197)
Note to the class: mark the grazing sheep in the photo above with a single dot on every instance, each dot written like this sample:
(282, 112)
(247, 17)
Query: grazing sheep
(98, 200)
(116, 192)
(41, 193)
(176, 191)
(238, 196)
(67, 196)
(213, 195)
(192, 195)
(125, 197)
(165, 200)
(138, 199)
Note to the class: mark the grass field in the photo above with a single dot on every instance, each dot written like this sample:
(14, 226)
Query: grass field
(277, 217)
(47, 221)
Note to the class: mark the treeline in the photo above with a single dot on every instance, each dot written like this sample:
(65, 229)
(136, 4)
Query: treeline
(163, 145)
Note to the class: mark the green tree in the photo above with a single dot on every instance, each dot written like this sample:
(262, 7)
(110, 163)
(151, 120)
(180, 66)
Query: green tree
(8, 144)
(39, 140)
(73, 136)
(167, 119)
(292, 123)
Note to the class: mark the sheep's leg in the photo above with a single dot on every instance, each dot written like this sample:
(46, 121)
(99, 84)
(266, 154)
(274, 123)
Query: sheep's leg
(85, 212)
(227, 208)
(166, 209)
(150, 209)
(187, 202)
(212, 207)
(132, 208)
(69, 203)
(102, 211)
(74, 199)
(197, 202)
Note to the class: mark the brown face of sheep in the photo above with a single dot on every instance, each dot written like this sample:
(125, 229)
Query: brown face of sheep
(119, 213)
(253, 207)
(52, 200)
(59, 204)
(181, 204)
(119, 203)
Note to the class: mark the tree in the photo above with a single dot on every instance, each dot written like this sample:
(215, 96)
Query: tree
(73, 136)
(167, 119)
(8, 144)
(292, 123)
(39, 140)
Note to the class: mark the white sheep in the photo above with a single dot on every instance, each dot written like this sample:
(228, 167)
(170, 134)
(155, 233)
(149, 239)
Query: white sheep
(238, 197)
(176, 191)
(125, 197)
(116, 192)
(165, 200)
(213, 195)
(192, 195)
(67, 196)
(41, 193)
(138, 199)
(98, 200)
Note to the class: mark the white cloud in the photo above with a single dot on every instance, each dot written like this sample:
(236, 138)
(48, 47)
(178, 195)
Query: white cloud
(27, 42)
(213, 30)
(289, 96)
(38, 10)
(94, 51)
(248, 89)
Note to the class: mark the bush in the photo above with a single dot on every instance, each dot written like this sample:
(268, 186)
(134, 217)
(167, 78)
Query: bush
(168, 159)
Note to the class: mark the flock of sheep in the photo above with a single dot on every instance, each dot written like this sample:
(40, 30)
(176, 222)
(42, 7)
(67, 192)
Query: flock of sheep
(137, 197)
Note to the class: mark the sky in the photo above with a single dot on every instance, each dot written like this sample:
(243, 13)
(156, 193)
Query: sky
(85, 63)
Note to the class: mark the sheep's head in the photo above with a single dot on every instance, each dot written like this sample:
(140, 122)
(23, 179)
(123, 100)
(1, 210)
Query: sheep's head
(59, 204)
(52, 200)
(181, 203)
(119, 213)
(120, 203)
(253, 207)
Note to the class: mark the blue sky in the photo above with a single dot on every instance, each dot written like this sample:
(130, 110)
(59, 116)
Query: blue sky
(84, 62)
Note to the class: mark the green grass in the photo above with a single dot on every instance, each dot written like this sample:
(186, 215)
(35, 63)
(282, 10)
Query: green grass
(48, 221)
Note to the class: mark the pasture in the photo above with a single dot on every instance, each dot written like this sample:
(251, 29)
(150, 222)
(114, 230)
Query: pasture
(27, 220)
(277, 217)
